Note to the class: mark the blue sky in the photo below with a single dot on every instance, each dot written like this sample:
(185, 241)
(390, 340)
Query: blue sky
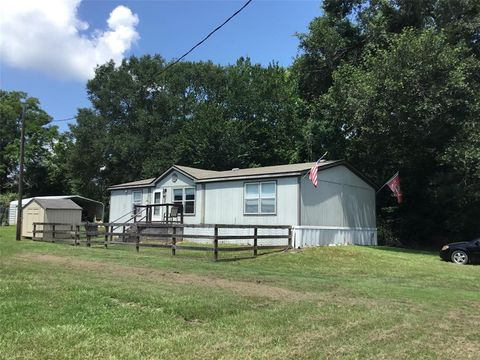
(264, 31)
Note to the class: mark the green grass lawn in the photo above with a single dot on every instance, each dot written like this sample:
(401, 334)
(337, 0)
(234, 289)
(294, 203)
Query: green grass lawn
(64, 302)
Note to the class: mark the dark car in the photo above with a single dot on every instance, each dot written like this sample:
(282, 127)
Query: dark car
(462, 252)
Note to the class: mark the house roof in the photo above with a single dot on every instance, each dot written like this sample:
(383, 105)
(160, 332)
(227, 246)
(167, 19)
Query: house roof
(138, 183)
(202, 175)
(290, 169)
(64, 204)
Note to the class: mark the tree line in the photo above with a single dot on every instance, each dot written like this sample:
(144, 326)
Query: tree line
(388, 85)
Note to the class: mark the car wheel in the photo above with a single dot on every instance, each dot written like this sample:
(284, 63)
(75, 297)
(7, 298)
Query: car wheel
(460, 257)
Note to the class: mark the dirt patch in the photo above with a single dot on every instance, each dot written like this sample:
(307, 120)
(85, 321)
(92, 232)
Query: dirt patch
(244, 288)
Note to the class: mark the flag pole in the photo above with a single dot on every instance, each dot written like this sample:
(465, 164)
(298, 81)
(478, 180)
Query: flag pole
(396, 174)
(326, 152)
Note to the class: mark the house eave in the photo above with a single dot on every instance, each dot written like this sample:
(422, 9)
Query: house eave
(244, 177)
(249, 177)
(111, 188)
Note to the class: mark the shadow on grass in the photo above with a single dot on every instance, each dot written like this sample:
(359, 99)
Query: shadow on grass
(249, 257)
(404, 250)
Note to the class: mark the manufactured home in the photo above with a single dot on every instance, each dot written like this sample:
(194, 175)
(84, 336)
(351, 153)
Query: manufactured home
(340, 210)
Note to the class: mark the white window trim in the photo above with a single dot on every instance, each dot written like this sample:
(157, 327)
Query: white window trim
(184, 199)
(259, 213)
(133, 197)
(136, 202)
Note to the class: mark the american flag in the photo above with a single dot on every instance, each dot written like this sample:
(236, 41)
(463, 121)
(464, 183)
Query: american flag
(394, 185)
(313, 173)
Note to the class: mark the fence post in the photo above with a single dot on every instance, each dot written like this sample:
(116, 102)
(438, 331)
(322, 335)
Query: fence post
(174, 240)
(89, 234)
(53, 233)
(215, 243)
(105, 243)
(123, 234)
(255, 238)
(77, 235)
(34, 231)
(290, 237)
(137, 245)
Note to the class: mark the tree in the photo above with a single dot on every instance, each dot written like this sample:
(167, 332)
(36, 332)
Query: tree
(391, 84)
(40, 140)
(405, 107)
(200, 114)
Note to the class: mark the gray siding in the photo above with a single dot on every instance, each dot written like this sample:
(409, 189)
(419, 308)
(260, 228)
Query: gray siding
(182, 182)
(342, 199)
(121, 203)
(224, 203)
(64, 216)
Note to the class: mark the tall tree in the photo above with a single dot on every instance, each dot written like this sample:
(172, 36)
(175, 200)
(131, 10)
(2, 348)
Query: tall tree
(399, 90)
(41, 138)
(144, 119)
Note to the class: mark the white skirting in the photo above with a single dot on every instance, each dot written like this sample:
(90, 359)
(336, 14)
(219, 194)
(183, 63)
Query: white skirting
(303, 236)
(310, 236)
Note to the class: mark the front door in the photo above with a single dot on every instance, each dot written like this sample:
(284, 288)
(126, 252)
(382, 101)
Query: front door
(158, 198)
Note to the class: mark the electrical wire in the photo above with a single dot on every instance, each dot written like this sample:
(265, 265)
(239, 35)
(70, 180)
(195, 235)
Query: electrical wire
(66, 119)
(189, 51)
(206, 37)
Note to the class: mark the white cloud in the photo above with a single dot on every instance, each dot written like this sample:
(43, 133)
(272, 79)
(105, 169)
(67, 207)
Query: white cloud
(48, 36)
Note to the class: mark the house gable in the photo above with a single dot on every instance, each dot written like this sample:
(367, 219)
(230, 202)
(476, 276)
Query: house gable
(174, 178)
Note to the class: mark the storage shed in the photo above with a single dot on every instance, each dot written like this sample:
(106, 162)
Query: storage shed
(60, 211)
(91, 209)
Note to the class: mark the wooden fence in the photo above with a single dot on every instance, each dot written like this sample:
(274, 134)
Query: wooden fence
(169, 236)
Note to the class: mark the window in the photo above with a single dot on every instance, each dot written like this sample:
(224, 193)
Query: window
(136, 198)
(185, 197)
(260, 198)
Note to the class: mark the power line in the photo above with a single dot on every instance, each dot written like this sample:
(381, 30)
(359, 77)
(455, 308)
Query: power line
(66, 119)
(206, 37)
(189, 51)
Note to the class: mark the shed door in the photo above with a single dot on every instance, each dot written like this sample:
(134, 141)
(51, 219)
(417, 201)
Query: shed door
(31, 214)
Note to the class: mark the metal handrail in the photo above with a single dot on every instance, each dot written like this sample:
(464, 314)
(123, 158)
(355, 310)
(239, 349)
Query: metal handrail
(133, 217)
(116, 220)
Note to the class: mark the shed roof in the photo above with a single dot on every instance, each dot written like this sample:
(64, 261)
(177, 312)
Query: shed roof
(25, 201)
(202, 175)
(63, 204)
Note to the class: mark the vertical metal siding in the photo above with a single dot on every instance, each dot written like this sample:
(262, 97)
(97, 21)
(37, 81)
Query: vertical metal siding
(12, 214)
(341, 199)
(182, 182)
(120, 204)
(224, 204)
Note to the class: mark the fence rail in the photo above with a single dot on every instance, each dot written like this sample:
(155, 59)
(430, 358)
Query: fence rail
(138, 235)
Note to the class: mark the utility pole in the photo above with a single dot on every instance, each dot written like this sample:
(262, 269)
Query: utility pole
(20, 176)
